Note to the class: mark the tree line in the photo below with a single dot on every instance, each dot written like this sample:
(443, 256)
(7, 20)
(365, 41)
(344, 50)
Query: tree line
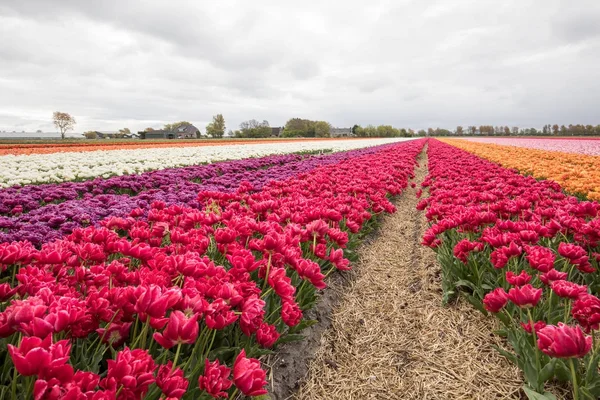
(490, 130)
(300, 127)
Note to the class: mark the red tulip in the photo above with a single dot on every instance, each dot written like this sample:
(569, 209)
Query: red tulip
(267, 335)
(310, 270)
(248, 375)
(179, 330)
(518, 280)
(281, 283)
(525, 297)
(553, 275)
(586, 310)
(171, 383)
(568, 289)
(291, 314)
(540, 258)
(537, 326)
(36, 356)
(465, 247)
(577, 256)
(563, 341)
(132, 372)
(336, 257)
(495, 300)
(215, 379)
(252, 315)
(219, 315)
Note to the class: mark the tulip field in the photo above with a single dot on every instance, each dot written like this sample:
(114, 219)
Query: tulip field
(173, 272)
(522, 250)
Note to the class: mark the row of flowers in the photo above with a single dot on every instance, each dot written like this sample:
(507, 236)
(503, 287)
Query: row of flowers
(72, 166)
(579, 174)
(591, 147)
(180, 301)
(45, 148)
(39, 213)
(523, 250)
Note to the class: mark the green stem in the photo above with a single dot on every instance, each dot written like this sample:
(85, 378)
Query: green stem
(535, 348)
(567, 310)
(14, 383)
(574, 379)
(176, 357)
(267, 272)
(235, 392)
(211, 343)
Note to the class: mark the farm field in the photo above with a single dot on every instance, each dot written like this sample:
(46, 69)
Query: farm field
(338, 269)
(589, 146)
(75, 165)
(8, 147)
(577, 173)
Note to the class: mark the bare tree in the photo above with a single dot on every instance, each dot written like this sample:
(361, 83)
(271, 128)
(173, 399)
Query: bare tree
(64, 122)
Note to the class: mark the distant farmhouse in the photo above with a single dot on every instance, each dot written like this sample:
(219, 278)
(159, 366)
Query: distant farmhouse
(113, 135)
(187, 131)
(276, 132)
(341, 132)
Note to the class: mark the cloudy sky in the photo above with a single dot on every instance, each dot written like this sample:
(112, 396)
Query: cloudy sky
(417, 64)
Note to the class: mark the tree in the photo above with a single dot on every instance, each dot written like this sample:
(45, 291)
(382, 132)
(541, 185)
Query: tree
(359, 131)
(254, 129)
(90, 135)
(122, 132)
(322, 129)
(216, 128)
(148, 129)
(459, 130)
(175, 125)
(555, 130)
(64, 122)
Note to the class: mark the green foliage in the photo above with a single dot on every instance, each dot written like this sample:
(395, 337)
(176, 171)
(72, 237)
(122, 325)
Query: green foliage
(216, 128)
(254, 129)
(175, 125)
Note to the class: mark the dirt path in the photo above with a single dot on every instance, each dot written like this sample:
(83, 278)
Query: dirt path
(391, 338)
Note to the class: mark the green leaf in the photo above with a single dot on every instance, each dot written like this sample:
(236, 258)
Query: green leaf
(547, 372)
(533, 395)
(465, 283)
(562, 372)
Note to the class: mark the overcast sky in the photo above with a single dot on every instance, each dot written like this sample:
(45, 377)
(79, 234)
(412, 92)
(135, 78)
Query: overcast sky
(413, 64)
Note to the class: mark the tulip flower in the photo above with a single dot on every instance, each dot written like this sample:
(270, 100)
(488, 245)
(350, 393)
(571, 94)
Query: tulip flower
(537, 326)
(586, 310)
(495, 300)
(577, 256)
(291, 314)
(267, 335)
(552, 276)
(525, 296)
(132, 372)
(215, 379)
(563, 341)
(248, 376)
(568, 289)
(540, 258)
(179, 330)
(171, 382)
(518, 280)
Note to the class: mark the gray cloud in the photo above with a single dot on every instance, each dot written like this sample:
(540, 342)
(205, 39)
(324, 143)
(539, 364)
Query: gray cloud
(407, 63)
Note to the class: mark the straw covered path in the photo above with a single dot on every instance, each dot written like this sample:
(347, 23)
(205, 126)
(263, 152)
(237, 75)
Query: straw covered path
(390, 336)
